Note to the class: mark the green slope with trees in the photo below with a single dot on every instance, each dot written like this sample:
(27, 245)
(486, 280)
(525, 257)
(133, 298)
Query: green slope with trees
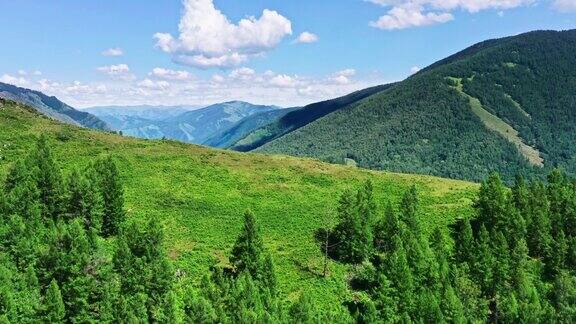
(95, 227)
(426, 125)
(198, 197)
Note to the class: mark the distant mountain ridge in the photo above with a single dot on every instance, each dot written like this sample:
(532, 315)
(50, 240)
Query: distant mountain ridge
(182, 123)
(51, 107)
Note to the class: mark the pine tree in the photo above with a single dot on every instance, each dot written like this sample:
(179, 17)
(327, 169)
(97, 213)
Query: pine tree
(492, 204)
(385, 229)
(539, 235)
(53, 305)
(303, 310)
(501, 269)
(485, 262)
(247, 251)
(49, 180)
(400, 273)
(564, 297)
(521, 195)
(22, 194)
(112, 193)
(465, 243)
(353, 238)
(83, 200)
(555, 263)
(452, 308)
(409, 208)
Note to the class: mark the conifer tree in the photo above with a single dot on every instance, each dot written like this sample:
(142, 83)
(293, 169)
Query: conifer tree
(385, 229)
(247, 251)
(83, 201)
(303, 310)
(112, 193)
(352, 235)
(49, 180)
(492, 204)
(465, 243)
(409, 208)
(53, 305)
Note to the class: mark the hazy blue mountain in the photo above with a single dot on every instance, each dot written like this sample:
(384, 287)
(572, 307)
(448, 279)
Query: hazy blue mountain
(51, 107)
(147, 112)
(227, 137)
(182, 123)
(198, 125)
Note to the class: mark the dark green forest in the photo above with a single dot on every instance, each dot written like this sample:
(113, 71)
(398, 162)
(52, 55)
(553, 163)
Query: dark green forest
(425, 125)
(68, 253)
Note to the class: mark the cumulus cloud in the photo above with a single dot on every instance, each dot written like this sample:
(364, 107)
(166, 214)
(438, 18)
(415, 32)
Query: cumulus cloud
(343, 77)
(404, 14)
(166, 74)
(17, 81)
(414, 69)
(207, 38)
(154, 85)
(120, 71)
(283, 81)
(116, 51)
(565, 5)
(307, 38)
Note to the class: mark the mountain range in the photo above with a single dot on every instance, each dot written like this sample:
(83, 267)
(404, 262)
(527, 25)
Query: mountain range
(51, 107)
(182, 123)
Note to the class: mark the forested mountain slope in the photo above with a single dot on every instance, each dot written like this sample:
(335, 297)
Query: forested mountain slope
(506, 105)
(301, 117)
(199, 195)
(51, 107)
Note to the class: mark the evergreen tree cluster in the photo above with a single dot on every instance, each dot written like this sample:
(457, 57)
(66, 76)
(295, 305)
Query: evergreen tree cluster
(54, 262)
(514, 262)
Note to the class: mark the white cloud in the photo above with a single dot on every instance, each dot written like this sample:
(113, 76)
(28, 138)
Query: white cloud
(116, 51)
(414, 69)
(217, 78)
(37, 73)
(22, 72)
(120, 72)
(407, 17)
(404, 14)
(307, 38)
(167, 74)
(565, 5)
(208, 39)
(17, 81)
(79, 88)
(283, 81)
(343, 77)
(154, 85)
(242, 73)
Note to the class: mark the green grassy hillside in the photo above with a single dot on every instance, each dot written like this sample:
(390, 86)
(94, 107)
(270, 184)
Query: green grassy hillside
(200, 194)
(426, 124)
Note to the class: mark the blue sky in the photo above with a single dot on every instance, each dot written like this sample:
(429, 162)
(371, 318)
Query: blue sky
(132, 52)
